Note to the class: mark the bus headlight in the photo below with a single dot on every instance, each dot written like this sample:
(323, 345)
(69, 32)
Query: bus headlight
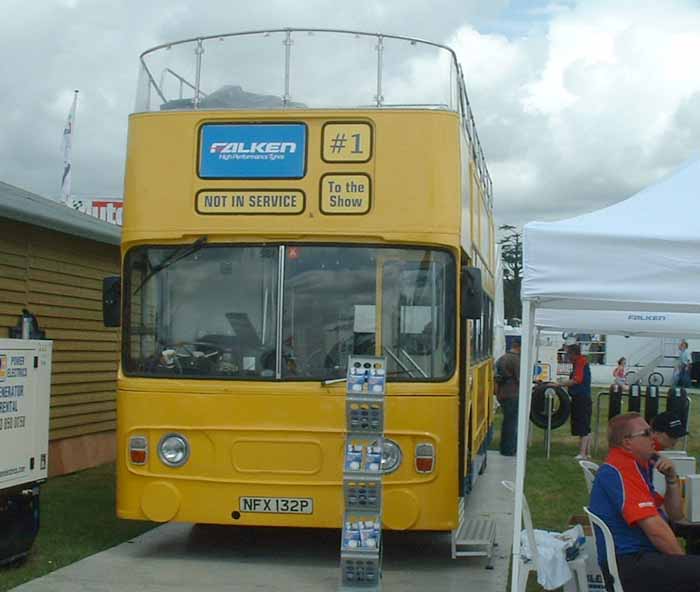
(173, 450)
(391, 456)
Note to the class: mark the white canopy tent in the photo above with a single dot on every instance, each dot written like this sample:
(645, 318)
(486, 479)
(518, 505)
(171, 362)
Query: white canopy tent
(618, 322)
(636, 258)
(632, 255)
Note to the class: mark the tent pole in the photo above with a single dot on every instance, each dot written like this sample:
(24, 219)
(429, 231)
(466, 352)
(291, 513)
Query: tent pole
(526, 364)
(536, 351)
(548, 435)
(534, 334)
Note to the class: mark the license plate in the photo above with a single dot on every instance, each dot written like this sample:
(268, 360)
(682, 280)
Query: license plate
(277, 505)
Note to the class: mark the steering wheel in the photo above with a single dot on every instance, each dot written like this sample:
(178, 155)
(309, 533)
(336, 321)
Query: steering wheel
(194, 356)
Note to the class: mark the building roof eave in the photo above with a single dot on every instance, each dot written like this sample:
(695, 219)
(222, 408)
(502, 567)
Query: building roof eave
(22, 206)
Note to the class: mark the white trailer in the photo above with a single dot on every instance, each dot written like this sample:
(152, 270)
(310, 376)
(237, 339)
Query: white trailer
(25, 390)
(548, 365)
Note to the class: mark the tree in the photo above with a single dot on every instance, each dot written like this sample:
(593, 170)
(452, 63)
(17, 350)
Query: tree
(512, 256)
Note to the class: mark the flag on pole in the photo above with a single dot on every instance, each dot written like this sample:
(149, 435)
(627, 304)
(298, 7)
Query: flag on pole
(67, 149)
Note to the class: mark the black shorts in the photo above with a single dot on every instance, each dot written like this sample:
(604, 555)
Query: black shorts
(581, 412)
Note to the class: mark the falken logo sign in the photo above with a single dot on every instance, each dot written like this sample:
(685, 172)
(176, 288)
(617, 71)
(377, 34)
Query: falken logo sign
(249, 151)
(639, 317)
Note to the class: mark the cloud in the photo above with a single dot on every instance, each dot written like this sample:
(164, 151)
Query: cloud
(578, 104)
(604, 104)
(55, 46)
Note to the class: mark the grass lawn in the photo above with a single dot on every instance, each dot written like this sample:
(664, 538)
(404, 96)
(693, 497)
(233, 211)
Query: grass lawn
(555, 488)
(77, 519)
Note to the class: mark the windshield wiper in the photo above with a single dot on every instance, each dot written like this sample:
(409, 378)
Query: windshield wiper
(393, 356)
(396, 359)
(177, 255)
(328, 381)
(415, 364)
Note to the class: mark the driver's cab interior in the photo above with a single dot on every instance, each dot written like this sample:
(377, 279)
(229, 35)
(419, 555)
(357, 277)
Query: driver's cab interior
(215, 312)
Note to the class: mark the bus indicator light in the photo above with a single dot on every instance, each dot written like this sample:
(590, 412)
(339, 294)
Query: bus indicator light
(138, 457)
(138, 450)
(425, 458)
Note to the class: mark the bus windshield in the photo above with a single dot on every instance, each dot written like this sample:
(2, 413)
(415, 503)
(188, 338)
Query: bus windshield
(293, 312)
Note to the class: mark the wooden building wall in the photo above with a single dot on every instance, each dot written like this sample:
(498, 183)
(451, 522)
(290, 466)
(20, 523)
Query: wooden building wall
(58, 277)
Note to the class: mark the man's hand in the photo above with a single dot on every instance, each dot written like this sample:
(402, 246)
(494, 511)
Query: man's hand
(666, 467)
(672, 498)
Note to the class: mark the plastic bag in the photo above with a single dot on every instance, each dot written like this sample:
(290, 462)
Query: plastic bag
(576, 540)
(554, 549)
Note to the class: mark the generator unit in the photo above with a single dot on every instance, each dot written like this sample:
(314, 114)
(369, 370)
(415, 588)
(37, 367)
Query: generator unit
(25, 390)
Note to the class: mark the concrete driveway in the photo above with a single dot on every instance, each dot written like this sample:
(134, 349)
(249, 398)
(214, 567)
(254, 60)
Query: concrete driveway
(203, 558)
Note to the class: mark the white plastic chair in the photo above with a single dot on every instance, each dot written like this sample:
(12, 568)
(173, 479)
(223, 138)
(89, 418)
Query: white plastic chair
(609, 547)
(589, 471)
(577, 566)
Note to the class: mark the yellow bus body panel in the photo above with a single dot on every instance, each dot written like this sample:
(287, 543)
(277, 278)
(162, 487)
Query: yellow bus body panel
(409, 179)
(285, 439)
(260, 442)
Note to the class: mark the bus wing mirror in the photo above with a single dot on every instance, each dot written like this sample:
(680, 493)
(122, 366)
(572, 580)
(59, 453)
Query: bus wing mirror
(472, 293)
(111, 301)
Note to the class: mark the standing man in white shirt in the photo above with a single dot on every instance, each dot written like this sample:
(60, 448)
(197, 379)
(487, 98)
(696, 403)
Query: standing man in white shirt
(681, 373)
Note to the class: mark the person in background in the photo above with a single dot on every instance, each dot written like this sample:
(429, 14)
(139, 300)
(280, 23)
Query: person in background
(681, 372)
(619, 372)
(596, 351)
(667, 429)
(507, 379)
(649, 556)
(579, 385)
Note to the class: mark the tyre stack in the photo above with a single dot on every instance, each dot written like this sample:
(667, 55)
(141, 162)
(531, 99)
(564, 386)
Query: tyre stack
(561, 405)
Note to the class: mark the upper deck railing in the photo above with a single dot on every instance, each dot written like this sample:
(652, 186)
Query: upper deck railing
(308, 68)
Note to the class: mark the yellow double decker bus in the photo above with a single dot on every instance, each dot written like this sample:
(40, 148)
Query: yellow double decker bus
(292, 198)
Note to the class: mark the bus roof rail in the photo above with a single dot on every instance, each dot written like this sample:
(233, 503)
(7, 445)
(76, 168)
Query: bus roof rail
(195, 49)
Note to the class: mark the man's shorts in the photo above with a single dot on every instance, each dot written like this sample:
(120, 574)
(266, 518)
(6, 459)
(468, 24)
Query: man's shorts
(581, 412)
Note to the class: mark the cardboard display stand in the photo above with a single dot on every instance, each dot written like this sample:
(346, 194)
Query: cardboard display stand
(361, 543)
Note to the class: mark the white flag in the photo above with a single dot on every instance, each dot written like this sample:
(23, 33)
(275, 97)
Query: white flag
(67, 148)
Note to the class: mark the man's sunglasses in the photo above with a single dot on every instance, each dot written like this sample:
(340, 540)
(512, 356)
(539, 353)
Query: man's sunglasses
(645, 433)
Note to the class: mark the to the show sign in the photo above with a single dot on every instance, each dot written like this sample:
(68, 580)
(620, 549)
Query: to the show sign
(345, 194)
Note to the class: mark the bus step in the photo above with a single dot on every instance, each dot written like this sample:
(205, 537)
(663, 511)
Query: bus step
(474, 537)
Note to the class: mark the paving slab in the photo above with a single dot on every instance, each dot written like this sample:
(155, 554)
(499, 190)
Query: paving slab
(204, 558)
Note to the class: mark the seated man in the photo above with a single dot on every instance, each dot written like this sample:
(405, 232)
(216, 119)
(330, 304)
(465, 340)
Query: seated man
(649, 557)
(667, 428)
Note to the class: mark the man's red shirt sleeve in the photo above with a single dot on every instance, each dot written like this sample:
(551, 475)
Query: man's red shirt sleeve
(639, 502)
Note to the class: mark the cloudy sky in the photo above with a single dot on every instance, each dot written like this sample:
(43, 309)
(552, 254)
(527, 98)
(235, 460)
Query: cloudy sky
(578, 103)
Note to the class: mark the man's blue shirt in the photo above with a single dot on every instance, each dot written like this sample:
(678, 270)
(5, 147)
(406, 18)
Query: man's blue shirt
(622, 495)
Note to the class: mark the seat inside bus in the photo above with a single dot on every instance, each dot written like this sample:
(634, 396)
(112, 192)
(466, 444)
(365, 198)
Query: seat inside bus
(232, 96)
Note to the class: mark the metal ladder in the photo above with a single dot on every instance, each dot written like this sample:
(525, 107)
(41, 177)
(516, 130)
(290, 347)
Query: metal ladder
(474, 537)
